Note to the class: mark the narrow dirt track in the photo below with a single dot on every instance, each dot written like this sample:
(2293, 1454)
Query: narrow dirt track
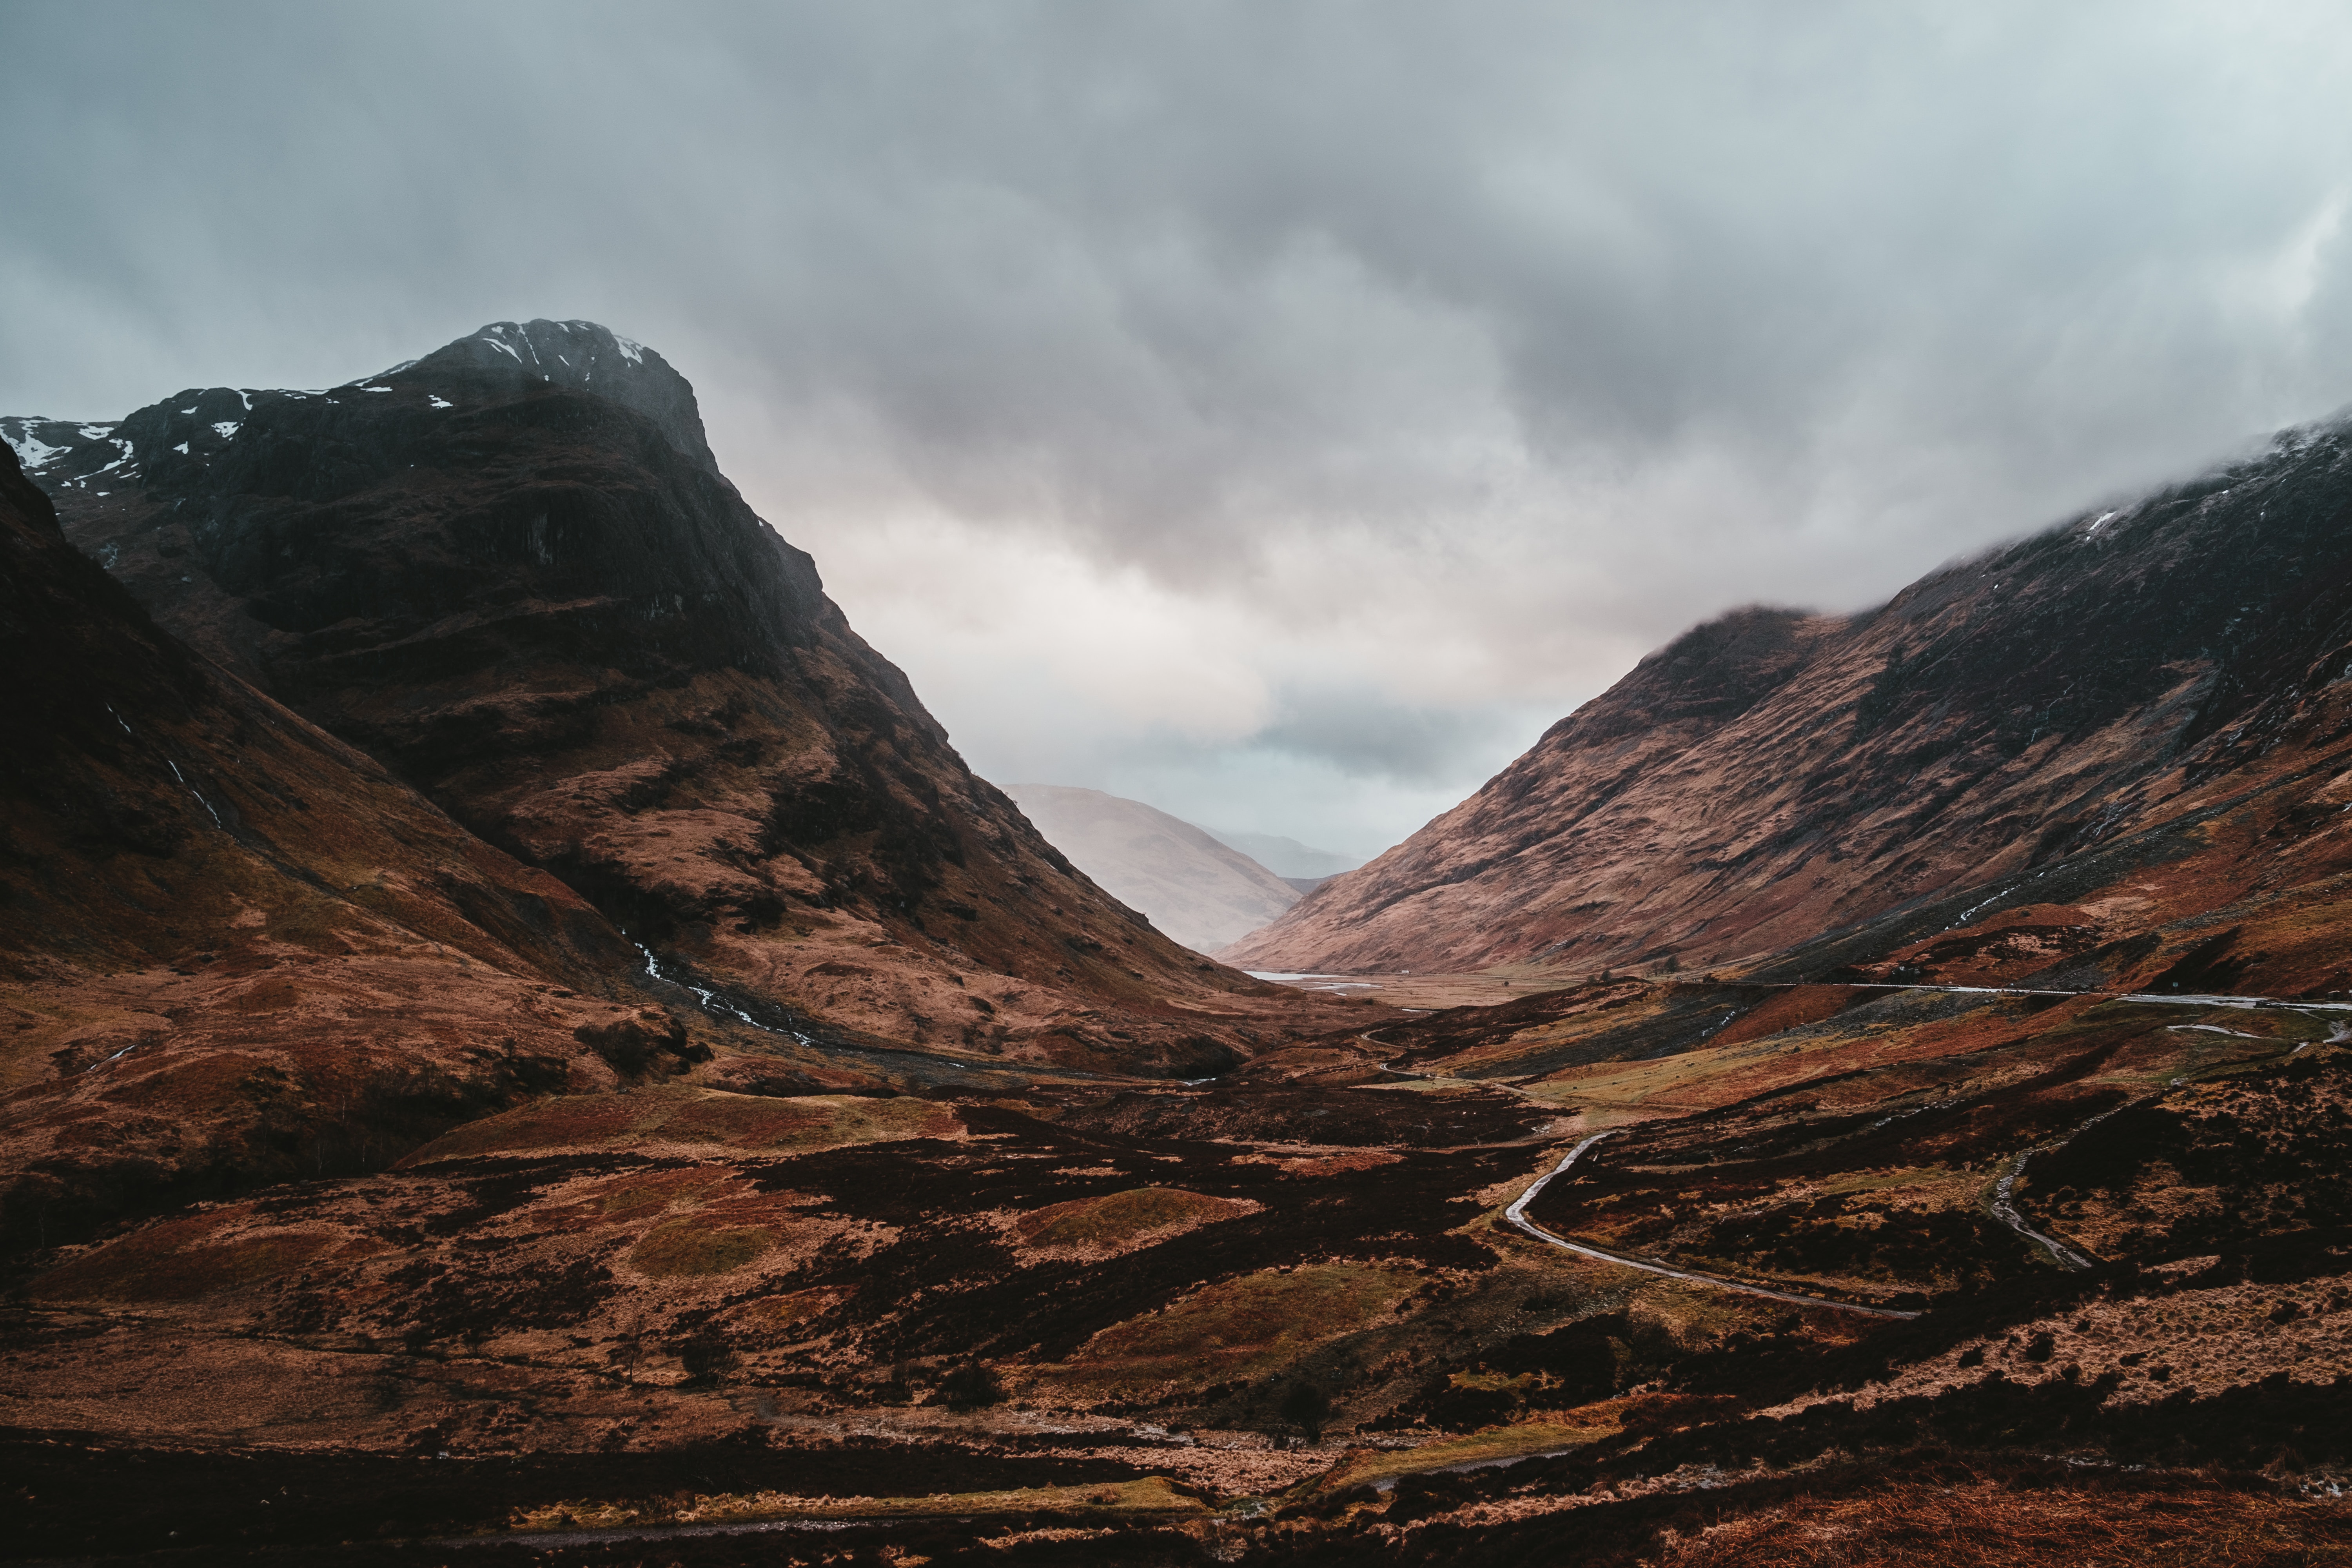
(1517, 1215)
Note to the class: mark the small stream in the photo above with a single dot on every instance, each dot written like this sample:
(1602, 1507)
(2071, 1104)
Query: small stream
(718, 1004)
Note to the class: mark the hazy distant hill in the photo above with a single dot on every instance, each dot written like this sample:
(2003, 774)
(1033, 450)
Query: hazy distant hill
(1286, 857)
(1203, 892)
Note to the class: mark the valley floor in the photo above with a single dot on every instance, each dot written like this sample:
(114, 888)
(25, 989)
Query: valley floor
(1933, 1276)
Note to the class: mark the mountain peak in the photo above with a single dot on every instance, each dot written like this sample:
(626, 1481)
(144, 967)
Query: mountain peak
(584, 356)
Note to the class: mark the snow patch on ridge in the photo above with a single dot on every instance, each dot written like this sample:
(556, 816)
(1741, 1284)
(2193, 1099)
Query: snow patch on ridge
(30, 449)
(514, 339)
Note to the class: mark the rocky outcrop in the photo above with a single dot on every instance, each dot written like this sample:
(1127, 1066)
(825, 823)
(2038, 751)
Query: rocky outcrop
(509, 572)
(579, 356)
(1773, 776)
(1199, 891)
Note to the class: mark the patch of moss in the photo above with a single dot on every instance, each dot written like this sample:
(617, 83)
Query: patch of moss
(636, 1197)
(1242, 1327)
(747, 1121)
(1118, 1218)
(796, 1306)
(158, 1265)
(1550, 1434)
(1146, 1495)
(687, 1246)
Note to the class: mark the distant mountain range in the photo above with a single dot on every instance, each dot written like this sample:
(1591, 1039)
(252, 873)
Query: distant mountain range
(1200, 890)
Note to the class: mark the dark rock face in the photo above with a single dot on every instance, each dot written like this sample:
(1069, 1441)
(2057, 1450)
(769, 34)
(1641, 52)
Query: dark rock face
(232, 948)
(534, 597)
(1770, 776)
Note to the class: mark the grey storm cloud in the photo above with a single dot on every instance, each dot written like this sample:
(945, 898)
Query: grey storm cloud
(1363, 734)
(1522, 334)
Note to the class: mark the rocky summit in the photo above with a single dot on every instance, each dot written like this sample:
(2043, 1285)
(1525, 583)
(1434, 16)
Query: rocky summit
(524, 1039)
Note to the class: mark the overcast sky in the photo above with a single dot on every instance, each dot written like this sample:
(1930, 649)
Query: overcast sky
(1278, 412)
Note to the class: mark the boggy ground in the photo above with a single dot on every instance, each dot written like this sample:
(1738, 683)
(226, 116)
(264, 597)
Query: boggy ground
(1280, 1316)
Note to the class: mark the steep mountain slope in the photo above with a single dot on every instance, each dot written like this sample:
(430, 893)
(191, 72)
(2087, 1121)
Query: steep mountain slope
(232, 948)
(1200, 891)
(542, 605)
(1771, 775)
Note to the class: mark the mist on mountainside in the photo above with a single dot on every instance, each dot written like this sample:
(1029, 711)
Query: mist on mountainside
(1285, 857)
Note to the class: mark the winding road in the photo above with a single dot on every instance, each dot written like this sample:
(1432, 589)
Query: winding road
(1517, 1215)
(2004, 1210)
(2000, 1205)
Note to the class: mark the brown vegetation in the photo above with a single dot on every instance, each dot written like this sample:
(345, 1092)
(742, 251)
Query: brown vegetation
(338, 1141)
